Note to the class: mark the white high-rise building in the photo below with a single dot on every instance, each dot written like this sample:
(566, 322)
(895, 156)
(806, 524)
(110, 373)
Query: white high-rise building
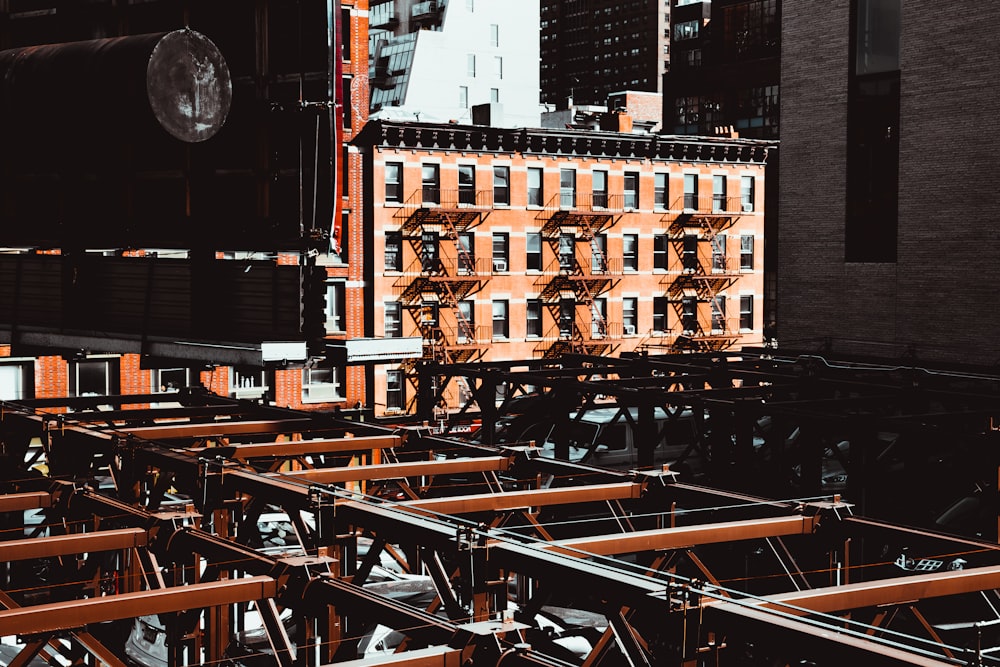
(436, 60)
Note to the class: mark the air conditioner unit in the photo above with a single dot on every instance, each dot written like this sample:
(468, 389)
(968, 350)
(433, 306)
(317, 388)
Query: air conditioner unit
(499, 265)
(629, 329)
(747, 207)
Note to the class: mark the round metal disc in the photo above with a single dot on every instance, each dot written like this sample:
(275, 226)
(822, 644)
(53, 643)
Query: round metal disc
(188, 85)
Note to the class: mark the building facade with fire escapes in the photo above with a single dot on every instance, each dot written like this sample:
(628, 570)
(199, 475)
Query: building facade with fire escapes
(494, 244)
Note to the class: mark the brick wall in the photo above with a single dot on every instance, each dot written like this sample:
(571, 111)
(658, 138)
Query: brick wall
(937, 295)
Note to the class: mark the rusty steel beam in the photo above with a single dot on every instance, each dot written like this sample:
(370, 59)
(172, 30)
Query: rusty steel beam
(220, 428)
(57, 616)
(896, 590)
(530, 498)
(835, 643)
(76, 543)
(432, 656)
(16, 502)
(685, 536)
(396, 470)
(304, 447)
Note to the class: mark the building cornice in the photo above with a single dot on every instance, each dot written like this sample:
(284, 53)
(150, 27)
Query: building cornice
(569, 143)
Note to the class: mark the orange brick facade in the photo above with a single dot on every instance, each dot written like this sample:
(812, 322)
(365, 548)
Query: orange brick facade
(552, 242)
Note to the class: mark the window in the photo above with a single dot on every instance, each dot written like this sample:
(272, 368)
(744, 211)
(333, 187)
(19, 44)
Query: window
(746, 252)
(93, 377)
(567, 313)
(533, 317)
(535, 186)
(747, 187)
(746, 311)
(877, 36)
(470, 64)
(719, 253)
(631, 189)
(599, 318)
(247, 382)
(501, 328)
(686, 30)
(567, 251)
(567, 188)
(600, 189)
(661, 308)
(470, 5)
(533, 244)
(501, 247)
(466, 184)
(467, 320)
(395, 390)
(394, 251)
(394, 182)
(346, 88)
(465, 247)
(689, 314)
(719, 313)
(719, 193)
(495, 95)
(630, 252)
(494, 34)
(630, 319)
(428, 314)
(336, 313)
(661, 248)
(599, 253)
(463, 97)
(393, 321)
(501, 185)
(429, 251)
(320, 384)
(167, 379)
(660, 191)
(690, 253)
(345, 34)
(691, 191)
(431, 181)
(498, 66)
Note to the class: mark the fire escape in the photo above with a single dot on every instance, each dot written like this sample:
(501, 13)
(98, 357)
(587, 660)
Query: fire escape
(570, 285)
(435, 287)
(702, 269)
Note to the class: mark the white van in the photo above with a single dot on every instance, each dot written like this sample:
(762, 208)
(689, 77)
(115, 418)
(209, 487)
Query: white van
(605, 437)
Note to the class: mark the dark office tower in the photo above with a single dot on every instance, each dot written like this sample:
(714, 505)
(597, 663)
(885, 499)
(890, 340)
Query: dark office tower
(724, 68)
(888, 151)
(591, 48)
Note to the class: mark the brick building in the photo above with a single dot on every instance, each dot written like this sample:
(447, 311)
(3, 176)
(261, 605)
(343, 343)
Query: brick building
(492, 244)
(886, 117)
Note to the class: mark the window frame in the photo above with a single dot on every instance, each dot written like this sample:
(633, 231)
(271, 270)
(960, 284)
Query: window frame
(430, 183)
(599, 188)
(501, 185)
(630, 190)
(536, 195)
(392, 319)
(394, 186)
(467, 184)
(630, 252)
(661, 191)
(395, 390)
(533, 319)
(533, 257)
(747, 253)
(567, 188)
(500, 252)
(393, 239)
(746, 313)
(630, 316)
(501, 318)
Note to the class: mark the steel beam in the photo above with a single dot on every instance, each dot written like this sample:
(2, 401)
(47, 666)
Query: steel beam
(896, 590)
(76, 543)
(396, 470)
(685, 536)
(834, 643)
(432, 656)
(221, 428)
(18, 502)
(304, 447)
(56, 616)
(530, 498)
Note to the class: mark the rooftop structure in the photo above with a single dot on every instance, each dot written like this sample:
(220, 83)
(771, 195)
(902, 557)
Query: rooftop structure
(439, 61)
